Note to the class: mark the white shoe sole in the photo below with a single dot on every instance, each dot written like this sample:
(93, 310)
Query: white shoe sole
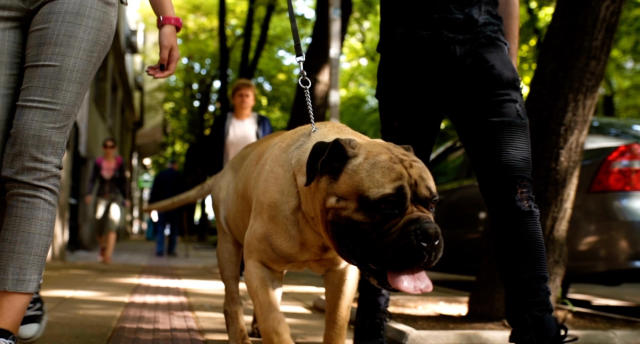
(33, 337)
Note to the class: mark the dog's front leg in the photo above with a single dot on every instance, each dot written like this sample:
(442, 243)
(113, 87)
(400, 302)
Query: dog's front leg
(229, 257)
(340, 287)
(264, 286)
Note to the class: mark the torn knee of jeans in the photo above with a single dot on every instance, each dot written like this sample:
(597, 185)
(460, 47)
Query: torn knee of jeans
(524, 196)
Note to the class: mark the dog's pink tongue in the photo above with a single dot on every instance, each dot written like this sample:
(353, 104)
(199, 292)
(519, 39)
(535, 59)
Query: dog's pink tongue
(415, 282)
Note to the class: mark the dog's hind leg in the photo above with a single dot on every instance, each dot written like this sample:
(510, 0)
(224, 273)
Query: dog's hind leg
(265, 289)
(229, 254)
(340, 288)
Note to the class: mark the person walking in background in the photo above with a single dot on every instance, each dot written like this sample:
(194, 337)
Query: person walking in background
(109, 184)
(236, 129)
(50, 51)
(166, 184)
(465, 55)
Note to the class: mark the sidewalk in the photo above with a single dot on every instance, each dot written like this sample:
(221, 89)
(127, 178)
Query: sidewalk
(141, 298)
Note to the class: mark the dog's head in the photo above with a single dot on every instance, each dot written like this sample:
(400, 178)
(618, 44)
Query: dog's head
(379, 205)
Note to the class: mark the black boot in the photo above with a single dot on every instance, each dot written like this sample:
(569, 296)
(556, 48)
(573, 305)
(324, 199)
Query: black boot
(371, 315)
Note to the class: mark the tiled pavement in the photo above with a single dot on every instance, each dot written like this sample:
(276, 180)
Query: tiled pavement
(140, 298)
(157, 313)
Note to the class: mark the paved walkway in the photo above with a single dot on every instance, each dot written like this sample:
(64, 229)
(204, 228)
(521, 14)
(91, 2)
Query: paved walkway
(140, 298)
(157, 313)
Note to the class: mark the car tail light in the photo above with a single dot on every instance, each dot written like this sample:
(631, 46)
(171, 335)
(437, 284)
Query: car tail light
(620, 171)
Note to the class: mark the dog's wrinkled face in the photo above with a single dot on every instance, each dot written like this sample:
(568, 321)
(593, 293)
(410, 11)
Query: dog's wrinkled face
(379, 210)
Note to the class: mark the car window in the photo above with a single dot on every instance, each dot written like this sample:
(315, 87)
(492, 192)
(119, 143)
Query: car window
(616, 127)
(451, 165)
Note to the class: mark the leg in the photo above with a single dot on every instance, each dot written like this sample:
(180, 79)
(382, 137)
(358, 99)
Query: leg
(102, 226)
(59, 66)
(229, 253)
(263, 285)
(110, 235)
(255, 329)
(12, 304)
(371, 315)
(110, 244)
(496, 134)
(409, 115)
(173, 236)
(160, 237)
(340, 288)
(67, 41)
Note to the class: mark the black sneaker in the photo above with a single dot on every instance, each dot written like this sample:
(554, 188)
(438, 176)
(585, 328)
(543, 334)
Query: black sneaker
(7, 337)
(34, 321)
(564, 336)
(560, 336)
(11, 340)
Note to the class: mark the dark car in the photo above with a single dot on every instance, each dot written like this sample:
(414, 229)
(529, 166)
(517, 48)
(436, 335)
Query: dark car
(604, 232)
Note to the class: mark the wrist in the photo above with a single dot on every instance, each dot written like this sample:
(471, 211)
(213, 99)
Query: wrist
(170, 20)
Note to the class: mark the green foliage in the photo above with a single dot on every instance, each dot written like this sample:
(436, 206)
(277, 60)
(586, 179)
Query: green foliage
(535, 17)
(622, 78)
(276, 76)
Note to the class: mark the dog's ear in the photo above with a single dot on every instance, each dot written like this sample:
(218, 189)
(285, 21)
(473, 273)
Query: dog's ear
(407, 148)
(329, 158)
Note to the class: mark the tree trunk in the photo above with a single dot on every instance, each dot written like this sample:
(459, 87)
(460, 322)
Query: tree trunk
(262, 40)
(563, 96)
(317, 65)
(246, 43)
(223, 98)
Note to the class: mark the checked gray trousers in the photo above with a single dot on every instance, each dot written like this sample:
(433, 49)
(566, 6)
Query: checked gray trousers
(50, 51)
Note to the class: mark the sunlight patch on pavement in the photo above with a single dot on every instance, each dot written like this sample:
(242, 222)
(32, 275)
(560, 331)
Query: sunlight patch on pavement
(432, 309)
(306, 289)
(83, 295)
(602, 301)
(294, 309)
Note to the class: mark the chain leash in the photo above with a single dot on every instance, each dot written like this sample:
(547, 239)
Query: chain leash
(305, 83)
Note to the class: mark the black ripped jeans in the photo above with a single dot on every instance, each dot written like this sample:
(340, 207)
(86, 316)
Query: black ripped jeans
(477, 87)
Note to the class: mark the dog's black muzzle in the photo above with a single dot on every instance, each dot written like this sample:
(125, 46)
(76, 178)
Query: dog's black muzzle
(415, 243)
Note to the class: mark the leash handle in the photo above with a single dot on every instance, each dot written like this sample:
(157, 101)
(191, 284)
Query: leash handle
(303, 80)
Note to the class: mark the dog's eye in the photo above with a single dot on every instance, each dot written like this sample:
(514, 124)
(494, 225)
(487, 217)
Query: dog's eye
(431, 206)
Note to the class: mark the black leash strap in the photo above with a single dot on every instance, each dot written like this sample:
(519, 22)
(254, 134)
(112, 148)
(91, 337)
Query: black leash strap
(303, 80)
(294, 31)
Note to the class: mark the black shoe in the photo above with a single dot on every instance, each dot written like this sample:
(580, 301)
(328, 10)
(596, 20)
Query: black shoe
(34, 321)
(11, 340)
(558, 335)
(564, 336)
(6, 337)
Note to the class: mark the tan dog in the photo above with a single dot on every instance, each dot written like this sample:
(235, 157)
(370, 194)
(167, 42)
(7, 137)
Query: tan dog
(297, 200)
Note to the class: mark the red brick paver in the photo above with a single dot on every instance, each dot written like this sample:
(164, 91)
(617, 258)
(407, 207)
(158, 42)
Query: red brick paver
(157, 312)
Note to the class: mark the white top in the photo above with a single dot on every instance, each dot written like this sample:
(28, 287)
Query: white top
(241, 133)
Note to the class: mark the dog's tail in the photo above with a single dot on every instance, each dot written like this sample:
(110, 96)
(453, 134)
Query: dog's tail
(191, 196)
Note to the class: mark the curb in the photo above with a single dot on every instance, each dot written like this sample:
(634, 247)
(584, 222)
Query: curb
(398, 333)
(402, 334)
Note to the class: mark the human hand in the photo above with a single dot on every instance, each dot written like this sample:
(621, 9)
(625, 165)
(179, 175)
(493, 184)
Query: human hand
(87, 199)
(169, 53)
